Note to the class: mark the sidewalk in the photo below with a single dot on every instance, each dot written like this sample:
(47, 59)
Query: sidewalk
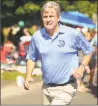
(12, 94)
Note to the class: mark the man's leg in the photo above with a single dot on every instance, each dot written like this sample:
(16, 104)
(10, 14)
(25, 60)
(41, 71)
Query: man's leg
(65, 95)
(59, 95)
(46, 100)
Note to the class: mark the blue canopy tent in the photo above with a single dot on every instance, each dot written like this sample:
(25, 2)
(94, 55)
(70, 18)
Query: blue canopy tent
(76, 18)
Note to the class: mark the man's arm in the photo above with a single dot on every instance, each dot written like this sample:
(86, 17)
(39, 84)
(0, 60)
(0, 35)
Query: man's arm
(86, 59)
(29, 67)
(78, 73)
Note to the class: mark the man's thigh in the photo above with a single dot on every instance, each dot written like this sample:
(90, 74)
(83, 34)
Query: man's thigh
(59, 95)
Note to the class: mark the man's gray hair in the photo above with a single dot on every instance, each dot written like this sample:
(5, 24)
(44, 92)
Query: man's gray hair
(51, 4)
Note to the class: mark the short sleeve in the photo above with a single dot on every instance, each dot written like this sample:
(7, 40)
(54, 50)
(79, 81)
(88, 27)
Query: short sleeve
(33, 53)
(83, 44)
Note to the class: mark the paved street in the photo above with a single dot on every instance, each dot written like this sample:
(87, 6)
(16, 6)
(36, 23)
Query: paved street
(12, 94)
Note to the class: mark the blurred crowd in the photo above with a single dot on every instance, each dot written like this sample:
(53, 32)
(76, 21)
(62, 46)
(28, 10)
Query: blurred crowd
(15, 41)
(90, 69)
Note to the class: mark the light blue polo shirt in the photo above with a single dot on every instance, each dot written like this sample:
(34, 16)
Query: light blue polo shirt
(58, 54)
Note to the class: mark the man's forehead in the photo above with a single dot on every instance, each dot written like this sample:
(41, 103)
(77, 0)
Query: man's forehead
(49, 10)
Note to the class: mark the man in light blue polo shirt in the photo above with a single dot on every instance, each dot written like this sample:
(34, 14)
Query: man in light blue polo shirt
(57, 47)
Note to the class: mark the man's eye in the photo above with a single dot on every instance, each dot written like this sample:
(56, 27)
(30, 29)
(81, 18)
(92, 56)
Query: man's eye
(44, 16)
(51, 16)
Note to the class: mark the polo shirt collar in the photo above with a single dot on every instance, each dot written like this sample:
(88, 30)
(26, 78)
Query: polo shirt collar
(61, 31)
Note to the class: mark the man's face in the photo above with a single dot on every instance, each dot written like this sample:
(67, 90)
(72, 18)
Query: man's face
(50, 18)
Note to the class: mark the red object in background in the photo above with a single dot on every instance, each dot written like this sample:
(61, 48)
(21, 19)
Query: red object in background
(26, 43)
(3, 56)
(6, 50)
(23, 48)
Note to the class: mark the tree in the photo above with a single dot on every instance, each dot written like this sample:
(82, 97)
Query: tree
(20, 7)
(27, 8)
(86, 7)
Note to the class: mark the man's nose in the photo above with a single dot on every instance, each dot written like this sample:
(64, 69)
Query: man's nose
(48, 18)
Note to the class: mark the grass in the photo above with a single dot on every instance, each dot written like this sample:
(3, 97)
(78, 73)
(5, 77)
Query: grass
(6, 75)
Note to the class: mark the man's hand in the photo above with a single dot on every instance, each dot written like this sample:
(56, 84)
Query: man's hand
(78, 73)
(27, 82)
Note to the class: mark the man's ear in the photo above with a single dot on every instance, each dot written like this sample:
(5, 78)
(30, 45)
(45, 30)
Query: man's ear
(58, 18)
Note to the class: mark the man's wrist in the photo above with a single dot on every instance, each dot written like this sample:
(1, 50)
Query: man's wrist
(83, 66)
(28, 76)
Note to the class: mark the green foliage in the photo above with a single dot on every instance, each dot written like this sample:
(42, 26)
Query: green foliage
(27, 8)
(71, 8)
(12, 7)
(63, 4)
(8, 3)
(86, 7)
(20, 10)
(82, 5)
(31, 30)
